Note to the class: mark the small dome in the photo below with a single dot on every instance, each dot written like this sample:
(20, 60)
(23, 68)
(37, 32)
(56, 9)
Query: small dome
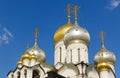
(40, 54)
(108, 56)
(68, 67)
(59, 34)
(103, 66)
(47, 67)
(77, 34)
(26, 55)
(20, 62)
(33, 56)
(104, 54)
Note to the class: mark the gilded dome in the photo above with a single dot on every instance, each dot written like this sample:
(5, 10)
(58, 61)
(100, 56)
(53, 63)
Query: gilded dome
(103, 66)
(26, 55)
(38, 53)
(59, 34)
(108, 56)
(20, 62)
(33, 56)
(77, 34)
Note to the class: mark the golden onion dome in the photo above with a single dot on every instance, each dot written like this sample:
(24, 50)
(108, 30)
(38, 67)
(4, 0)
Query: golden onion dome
(26, 55)
(59, 34)
(20, 62)
(33, 56)
(103, 66)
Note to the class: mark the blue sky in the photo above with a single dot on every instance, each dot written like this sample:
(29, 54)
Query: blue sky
(19, 18)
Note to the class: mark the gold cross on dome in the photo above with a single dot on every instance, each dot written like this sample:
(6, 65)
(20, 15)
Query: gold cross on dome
(75, 12)
(27, 45)
(102, 33)
(69, 11)
(36, 34)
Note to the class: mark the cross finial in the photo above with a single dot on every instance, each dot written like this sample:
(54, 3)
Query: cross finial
(68, 9)
(36, 35)
(27, 45)
(102, 33)
(75, 12)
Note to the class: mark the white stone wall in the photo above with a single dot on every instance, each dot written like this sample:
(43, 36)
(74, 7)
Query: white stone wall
(26, 62)
(29, 62)
(76, 53)
(10, 75)
(112, 67)
(104, 74)
(16, 73)
(33, 62)
(60, 54)
(78, 76)
(82, 70)
(29, 73)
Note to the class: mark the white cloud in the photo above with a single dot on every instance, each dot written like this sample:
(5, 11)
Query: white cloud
(5, 35)
(8, 32)
(113, 4)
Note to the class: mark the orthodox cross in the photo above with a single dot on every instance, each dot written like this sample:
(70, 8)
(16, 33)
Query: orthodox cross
(69, 11)
(75, 13)
(36, 35)
(102, 33)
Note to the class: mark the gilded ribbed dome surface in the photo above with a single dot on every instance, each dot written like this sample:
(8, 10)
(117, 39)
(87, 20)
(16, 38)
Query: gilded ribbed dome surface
(76, 33)
(103, 66)
(26, 55)
(59, 34)
(106, 55)
(33, 56)
(20, 62)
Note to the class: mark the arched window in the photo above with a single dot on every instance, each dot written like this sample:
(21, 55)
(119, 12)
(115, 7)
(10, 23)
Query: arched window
(60, 53)
(36, 74)
(25, 73)
(12, 76)
(70, 55)
(18, 74)
(79, 54)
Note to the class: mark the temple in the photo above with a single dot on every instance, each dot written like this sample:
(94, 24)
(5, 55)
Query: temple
(71, 42)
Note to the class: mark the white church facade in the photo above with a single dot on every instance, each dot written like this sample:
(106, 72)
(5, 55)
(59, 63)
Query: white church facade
(71, 43)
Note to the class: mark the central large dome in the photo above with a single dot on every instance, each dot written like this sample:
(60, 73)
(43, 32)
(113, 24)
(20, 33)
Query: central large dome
(77, 34)
(59, 34)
